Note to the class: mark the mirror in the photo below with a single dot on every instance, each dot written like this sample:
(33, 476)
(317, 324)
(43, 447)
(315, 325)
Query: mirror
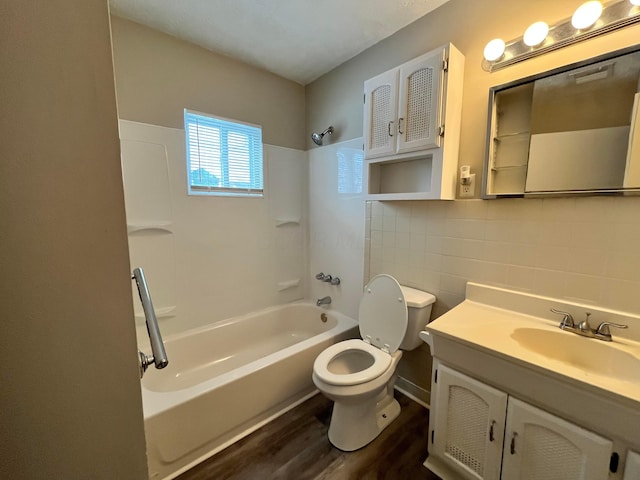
(573, 130)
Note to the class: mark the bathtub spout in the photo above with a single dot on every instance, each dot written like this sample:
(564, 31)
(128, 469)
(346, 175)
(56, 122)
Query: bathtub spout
(323, 301)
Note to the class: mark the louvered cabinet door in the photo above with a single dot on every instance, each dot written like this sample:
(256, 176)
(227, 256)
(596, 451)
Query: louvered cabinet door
(420, 103)
(541, 446)
(380, 108)
(469, 425)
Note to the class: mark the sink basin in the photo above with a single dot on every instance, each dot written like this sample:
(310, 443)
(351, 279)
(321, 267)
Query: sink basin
(590, 355)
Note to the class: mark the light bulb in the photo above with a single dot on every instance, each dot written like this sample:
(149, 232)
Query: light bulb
(536, 33)
(635, 2)
(586, 15)
(494, 49)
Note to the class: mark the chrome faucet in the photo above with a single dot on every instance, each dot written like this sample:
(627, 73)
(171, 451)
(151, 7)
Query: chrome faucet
(323, 301)
(328, 278)
(584, 328)
(601, 332)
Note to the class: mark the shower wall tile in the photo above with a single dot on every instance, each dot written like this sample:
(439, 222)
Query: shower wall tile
(580, 249)
(342, 242)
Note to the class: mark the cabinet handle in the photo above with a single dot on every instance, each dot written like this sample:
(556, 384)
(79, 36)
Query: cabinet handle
(491, 437)
(512, 449)
(400, 126)
(389, 128)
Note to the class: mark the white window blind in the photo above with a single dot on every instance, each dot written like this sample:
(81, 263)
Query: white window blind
(223, 157)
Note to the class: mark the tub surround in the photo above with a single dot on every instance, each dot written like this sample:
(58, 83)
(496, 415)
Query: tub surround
(177, 238)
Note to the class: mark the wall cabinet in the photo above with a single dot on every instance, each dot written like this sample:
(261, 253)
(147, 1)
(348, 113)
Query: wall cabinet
(412, 119)
(479, 432)
(508, 144)
(403, 107)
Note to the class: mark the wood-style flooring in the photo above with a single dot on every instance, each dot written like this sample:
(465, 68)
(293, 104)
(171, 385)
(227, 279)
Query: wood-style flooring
(295, 447)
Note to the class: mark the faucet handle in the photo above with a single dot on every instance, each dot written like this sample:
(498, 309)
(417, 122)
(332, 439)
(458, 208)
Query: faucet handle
(320, 276)
(335, 281)
(327, 278)
(567, 319)
(603, 328)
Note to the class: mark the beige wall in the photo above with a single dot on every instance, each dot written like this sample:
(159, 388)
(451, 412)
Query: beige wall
(70, 397)
(336, 98)
(521, 244)
(158, 75)
(580, 249)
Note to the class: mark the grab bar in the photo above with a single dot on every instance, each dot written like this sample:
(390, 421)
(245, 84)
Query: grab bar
(158, 354)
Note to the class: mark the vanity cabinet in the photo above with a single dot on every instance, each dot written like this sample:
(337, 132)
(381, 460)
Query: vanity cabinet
(412, 117)
(479, 432)
(467, 424)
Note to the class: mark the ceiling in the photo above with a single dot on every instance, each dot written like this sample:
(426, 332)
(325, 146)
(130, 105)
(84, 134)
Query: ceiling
(296, 39)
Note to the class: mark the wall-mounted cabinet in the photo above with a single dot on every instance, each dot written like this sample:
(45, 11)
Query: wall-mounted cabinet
(572, 130)
(480, 432)
(508, 147)
(412, 117)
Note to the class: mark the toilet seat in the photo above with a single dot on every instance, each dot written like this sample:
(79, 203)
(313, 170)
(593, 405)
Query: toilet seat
(381, 362)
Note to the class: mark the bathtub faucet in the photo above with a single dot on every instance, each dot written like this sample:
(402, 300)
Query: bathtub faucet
(323, 301)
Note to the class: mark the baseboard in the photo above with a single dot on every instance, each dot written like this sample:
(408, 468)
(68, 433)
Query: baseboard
(413, 391)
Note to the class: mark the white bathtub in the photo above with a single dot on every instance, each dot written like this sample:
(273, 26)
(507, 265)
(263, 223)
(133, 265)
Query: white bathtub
(227, 379)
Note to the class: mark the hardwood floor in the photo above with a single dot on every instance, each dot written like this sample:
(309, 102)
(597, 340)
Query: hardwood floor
(295, 446)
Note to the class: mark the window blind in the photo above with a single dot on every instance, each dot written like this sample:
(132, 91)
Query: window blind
(223, 157)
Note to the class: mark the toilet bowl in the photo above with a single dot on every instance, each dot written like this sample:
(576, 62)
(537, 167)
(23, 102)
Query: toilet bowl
(359, 375)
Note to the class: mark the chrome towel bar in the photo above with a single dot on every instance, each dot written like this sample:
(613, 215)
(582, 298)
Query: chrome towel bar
(158, 354)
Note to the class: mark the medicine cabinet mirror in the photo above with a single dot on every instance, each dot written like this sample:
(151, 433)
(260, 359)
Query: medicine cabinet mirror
(573, 130)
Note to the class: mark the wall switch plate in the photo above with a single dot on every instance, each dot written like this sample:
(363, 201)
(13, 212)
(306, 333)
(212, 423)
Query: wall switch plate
(468, 190)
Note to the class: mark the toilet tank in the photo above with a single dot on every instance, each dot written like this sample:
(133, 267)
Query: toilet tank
(419, 305)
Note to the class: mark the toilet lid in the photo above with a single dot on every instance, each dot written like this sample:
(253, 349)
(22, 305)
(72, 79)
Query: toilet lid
(383, 313)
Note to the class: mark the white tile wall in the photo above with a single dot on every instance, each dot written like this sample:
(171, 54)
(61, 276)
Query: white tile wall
(337, 225)
(582, 249)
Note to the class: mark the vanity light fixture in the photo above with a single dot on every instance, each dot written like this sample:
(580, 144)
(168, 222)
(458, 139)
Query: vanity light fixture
(589, 20)
(586, 15)
(494, 50)
(536, 34)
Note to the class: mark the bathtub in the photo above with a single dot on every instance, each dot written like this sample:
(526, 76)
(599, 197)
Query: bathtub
(227, 379)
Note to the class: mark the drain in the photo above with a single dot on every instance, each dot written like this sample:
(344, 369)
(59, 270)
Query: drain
(323, 317)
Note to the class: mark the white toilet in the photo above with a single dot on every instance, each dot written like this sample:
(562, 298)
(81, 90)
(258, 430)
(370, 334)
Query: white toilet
(358, 375)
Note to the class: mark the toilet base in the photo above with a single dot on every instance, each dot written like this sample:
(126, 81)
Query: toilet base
(354, 426)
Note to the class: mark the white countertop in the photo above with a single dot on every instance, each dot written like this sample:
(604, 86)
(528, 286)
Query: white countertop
(481, 322)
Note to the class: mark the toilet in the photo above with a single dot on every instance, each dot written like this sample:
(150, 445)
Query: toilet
(359, 375)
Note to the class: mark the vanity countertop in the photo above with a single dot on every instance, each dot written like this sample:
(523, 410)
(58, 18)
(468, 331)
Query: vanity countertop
(519, 328)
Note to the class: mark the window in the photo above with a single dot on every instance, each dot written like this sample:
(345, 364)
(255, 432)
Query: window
(350, 170)
(223, 157)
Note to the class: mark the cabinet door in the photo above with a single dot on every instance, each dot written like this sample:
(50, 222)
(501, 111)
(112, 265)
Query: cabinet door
(468, 429)
(540, 446)
(380, 108)
(420, 103)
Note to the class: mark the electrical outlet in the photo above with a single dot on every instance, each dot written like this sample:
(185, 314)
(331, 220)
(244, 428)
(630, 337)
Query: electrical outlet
(469, 190)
